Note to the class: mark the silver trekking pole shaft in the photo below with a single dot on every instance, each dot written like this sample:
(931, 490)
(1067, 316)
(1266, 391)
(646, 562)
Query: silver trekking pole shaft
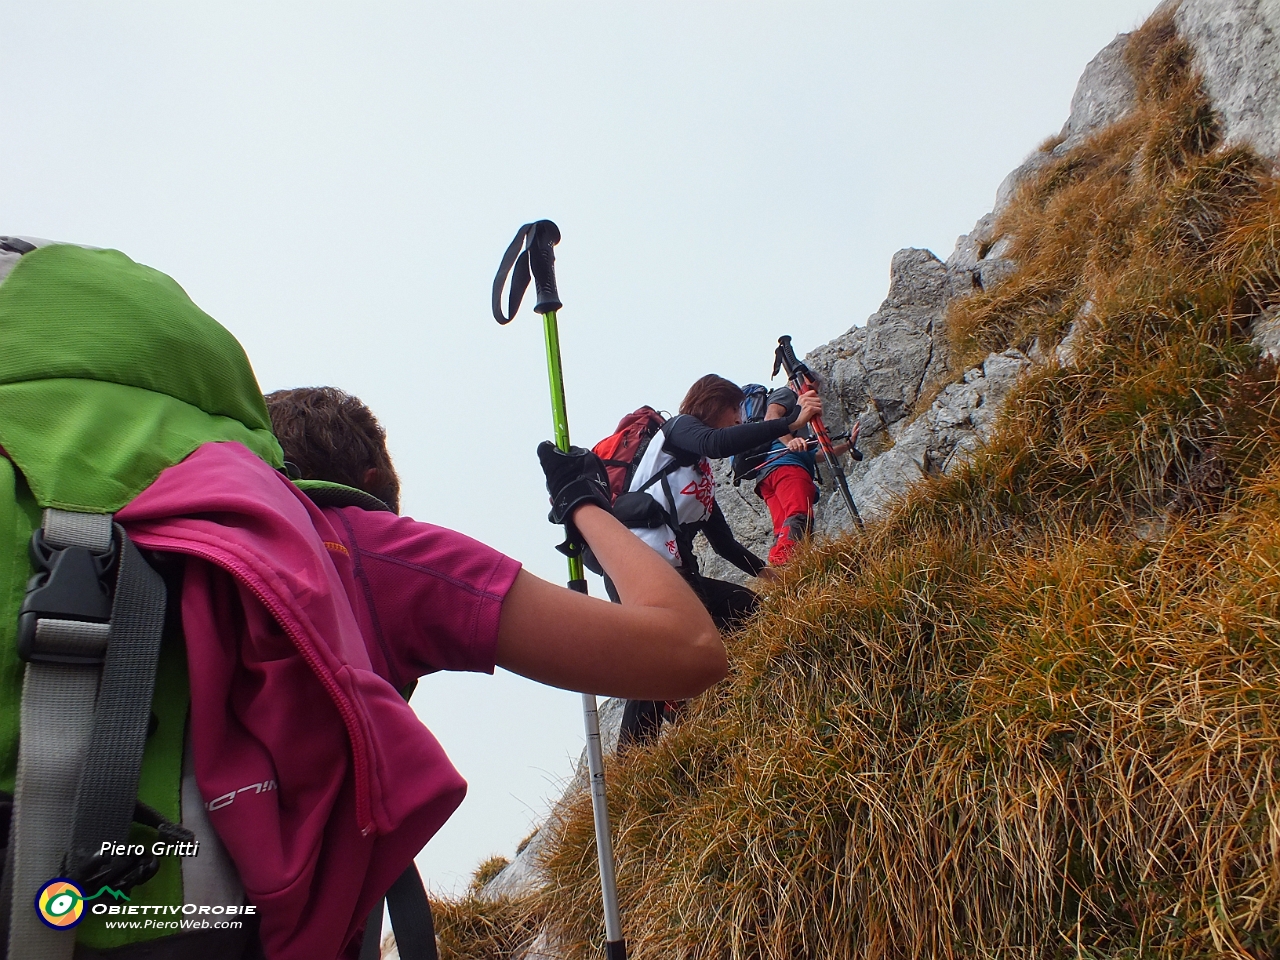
(539, 261)
(615, 944)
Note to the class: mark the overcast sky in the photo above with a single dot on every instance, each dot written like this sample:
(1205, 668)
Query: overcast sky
(336, 184)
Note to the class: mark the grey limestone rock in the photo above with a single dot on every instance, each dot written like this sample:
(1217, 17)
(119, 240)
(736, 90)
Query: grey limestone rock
(973, 246)
(1237, 51)
(523, 875)
(958, 422)
(1266, 334)
(889, 362)
(544, 947)
(900, 340)
(1016, 178)
(1000, 250)
(1067, 352)
(1105, 93)
(980, 262)
(994, 271)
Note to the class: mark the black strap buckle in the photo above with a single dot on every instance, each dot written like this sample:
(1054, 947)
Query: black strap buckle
(120, 873)
(93, 870)
(71, 583)
(15, 245)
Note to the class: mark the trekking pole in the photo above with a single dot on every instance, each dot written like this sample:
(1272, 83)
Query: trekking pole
(803, 380)
(538, 258)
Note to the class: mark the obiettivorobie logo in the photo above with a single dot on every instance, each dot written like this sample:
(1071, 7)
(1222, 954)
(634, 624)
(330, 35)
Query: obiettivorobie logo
(60, 902)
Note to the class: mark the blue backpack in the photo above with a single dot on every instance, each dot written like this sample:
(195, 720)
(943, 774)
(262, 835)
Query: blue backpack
(755, 403)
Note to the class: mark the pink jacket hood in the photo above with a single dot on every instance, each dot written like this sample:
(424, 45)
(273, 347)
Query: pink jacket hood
(322, 783)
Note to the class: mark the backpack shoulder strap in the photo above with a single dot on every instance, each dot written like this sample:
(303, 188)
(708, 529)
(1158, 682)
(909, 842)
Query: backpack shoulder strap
(324, 493)
(86, 705)
(661, 475)
(411, 921)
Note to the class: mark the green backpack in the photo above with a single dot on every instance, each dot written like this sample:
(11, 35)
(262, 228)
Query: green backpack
(109, 374)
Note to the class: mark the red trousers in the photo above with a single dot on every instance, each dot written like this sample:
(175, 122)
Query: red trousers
(789, 493)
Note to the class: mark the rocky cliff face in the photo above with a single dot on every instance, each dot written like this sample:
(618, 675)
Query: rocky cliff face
(917, 413)
(877, 375)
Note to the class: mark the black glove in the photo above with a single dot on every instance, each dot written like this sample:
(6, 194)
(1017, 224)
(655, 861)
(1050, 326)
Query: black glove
(573, 478)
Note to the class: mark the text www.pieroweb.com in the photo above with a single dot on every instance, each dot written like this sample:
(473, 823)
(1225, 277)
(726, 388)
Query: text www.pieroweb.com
(189, 916)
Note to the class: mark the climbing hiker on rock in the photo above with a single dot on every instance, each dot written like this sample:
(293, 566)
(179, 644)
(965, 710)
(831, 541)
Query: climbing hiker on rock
(671, 498)
(786, 479)
(179, 592)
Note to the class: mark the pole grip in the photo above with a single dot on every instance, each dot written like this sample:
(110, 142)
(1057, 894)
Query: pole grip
(529, 253)
(542, 264)
(784, 358)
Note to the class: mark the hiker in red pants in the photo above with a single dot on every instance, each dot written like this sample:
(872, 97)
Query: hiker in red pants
(790, 493)
(786, 482)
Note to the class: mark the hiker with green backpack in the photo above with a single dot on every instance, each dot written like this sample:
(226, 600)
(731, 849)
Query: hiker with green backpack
(199, 655)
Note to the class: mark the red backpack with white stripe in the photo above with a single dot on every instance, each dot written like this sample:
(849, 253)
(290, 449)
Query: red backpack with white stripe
(625, 447)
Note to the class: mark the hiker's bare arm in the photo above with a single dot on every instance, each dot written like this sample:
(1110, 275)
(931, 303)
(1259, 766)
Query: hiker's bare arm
(840, 449)
(658, 644)
(810, 406)
(777, 411)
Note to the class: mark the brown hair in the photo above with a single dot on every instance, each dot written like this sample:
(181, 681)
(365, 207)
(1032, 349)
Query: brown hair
(330, 435)
(710, 396)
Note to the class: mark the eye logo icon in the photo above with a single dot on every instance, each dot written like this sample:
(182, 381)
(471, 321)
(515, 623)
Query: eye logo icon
(60, 904)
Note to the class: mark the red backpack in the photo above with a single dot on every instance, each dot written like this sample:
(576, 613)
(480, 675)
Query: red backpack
(625, 447)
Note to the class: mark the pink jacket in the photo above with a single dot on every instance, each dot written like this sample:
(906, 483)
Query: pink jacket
(323, 783)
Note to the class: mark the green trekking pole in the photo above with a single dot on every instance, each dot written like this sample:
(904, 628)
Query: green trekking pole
(531, 253)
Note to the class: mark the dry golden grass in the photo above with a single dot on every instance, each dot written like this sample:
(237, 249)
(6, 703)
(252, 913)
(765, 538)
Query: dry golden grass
(487, 870)
(1036, 712)
(474, 929)
(469, 928)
